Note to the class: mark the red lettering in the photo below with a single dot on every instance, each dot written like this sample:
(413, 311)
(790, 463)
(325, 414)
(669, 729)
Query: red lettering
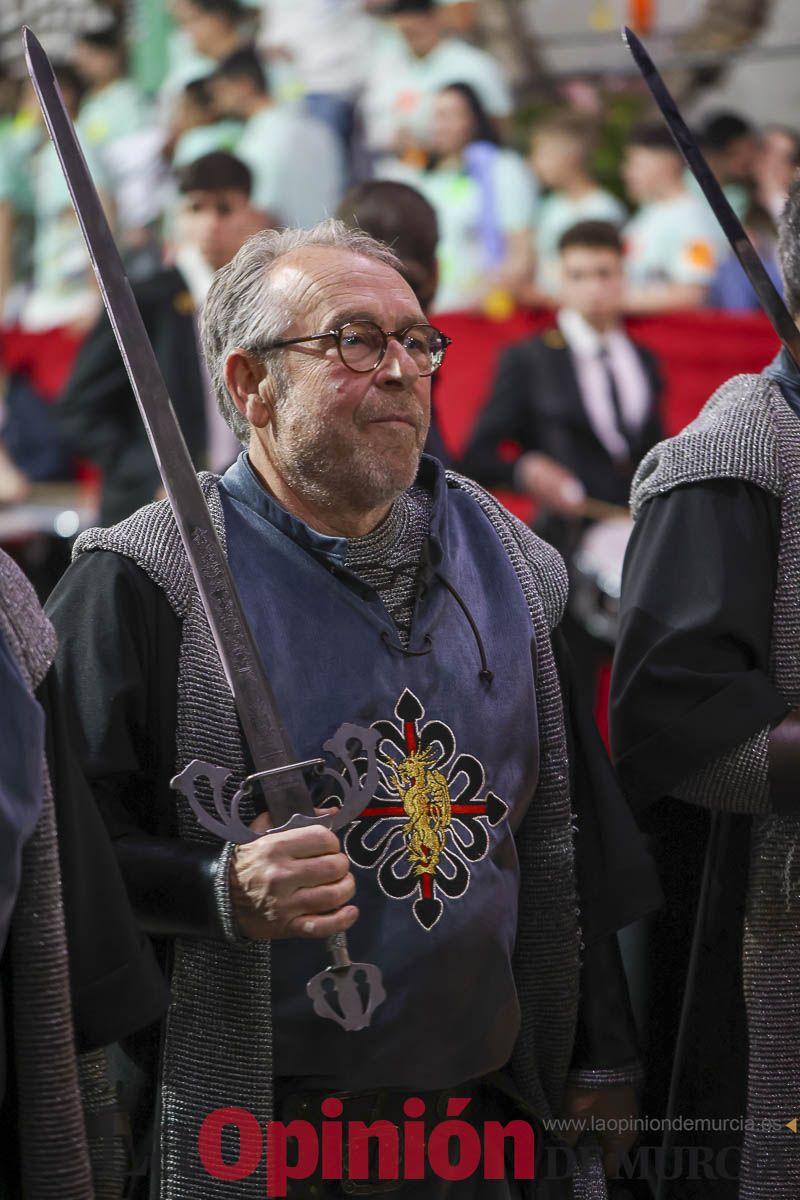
(359, 1134)
(332, 1139)
(414, 1139)
(209, 1143)
(469, 1149)
(278, 1169)
(494, 1136)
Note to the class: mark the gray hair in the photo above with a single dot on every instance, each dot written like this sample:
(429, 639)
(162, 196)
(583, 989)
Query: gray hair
(243, 310)
(789, 248)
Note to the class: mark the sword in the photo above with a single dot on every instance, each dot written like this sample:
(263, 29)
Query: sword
(276, 770)
(768, 295)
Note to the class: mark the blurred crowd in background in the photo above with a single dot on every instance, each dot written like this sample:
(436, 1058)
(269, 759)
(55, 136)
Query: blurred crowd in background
(268, 114)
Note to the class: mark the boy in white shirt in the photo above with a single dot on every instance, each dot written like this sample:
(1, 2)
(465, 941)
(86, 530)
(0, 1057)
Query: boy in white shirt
(561, 152)
(673, 243)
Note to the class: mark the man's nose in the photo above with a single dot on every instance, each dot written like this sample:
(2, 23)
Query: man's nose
(206, 227)
(398, 367)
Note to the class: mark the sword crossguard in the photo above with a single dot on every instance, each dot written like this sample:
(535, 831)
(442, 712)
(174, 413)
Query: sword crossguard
(345, 992)
(356, 791)
(227, 825)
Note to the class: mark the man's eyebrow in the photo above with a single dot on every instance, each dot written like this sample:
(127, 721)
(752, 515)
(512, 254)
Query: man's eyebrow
(348, 315)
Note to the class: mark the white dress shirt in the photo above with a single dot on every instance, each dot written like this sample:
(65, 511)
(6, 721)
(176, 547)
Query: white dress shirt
(588, 349)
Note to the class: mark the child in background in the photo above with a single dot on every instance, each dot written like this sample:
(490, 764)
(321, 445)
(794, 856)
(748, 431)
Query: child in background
(194, 128)
(673, 244)
(561, 154)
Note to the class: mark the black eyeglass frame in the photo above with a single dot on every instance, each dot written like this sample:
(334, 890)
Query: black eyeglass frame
(336, 334)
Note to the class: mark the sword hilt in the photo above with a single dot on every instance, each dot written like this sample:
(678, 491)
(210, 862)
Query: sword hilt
(337, 948)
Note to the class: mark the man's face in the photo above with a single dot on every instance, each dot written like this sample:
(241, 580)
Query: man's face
(650, 173)
(739, 159)
(555, 158)
(339, 437)
(420, 30)
(776, 160)
(452, 124)
(205, 30)
(592, 282)
(217, 224)
(228, 97)
(95, 64)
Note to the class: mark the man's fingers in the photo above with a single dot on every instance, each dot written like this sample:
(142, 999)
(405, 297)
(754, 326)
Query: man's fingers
(308, 842)
(572, 492)
(322, 899)
(316, 872)
(314, 925)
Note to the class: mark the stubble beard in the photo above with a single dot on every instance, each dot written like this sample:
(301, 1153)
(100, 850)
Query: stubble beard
(339, 469)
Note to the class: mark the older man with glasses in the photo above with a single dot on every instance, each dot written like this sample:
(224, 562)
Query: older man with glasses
(385, 592)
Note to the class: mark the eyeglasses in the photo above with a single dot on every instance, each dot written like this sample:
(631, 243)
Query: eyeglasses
(363, 344)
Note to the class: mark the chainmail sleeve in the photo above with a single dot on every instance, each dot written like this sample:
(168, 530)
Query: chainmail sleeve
(596, 1077)
(736, 782)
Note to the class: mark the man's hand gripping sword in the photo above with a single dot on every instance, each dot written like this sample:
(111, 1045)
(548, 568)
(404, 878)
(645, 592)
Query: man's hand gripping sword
(334, 992)
(290, 804)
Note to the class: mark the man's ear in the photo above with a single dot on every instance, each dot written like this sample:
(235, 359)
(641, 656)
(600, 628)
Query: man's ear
(249, 387)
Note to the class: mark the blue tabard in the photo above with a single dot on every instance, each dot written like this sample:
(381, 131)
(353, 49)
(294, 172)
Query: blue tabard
(442, 935)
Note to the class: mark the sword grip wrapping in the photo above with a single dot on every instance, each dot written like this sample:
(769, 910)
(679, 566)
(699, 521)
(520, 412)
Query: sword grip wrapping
(337, 948)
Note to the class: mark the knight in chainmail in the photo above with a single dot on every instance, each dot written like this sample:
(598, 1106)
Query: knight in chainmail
(384, 592)
(75, 971)
(704, 721)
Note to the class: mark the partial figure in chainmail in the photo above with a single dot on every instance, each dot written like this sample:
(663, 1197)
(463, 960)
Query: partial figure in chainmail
(704, 719)
(76, 974)
(385, 592)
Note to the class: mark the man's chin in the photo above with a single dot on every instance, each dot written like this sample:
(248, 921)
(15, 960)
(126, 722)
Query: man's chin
(387, 478)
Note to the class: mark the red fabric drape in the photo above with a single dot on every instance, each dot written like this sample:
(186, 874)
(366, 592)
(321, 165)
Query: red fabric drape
(45, 358)
(697, 352)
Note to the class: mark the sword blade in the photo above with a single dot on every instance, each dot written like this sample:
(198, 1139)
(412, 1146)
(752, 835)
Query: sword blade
(241, 662)
(768, 295)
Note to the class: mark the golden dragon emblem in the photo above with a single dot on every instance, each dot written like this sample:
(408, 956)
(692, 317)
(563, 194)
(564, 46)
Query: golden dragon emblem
(426, 801)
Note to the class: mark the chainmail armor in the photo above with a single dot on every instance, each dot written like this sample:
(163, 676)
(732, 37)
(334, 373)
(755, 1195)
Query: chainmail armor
(54, 1157)
(388, 558)
(747, 431)
(594, 1077)
(710, 786)
(222, 989)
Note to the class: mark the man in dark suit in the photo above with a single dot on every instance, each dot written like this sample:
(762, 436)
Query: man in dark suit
(97, 415)
(572, 411)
